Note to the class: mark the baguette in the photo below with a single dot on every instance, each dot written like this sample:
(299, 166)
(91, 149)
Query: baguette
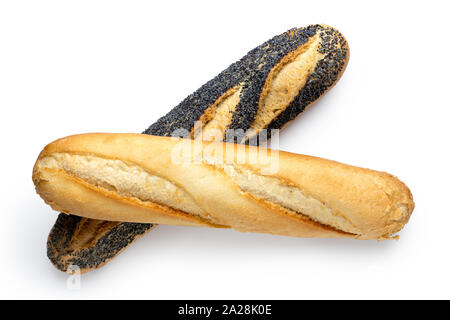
(140, 178)
(266, 89)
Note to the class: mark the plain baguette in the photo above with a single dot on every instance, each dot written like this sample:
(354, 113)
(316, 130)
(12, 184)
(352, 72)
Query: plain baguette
(115, 177)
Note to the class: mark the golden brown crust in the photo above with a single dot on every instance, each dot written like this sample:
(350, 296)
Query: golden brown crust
(376, 203)
(63, 192)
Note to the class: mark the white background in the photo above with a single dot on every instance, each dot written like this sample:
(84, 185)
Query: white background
(70, 67)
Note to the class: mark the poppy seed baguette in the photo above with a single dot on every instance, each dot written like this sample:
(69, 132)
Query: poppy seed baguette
(232, 99)
(267, 88)
(115, 177)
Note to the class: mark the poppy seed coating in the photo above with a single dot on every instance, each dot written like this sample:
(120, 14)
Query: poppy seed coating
(118, 237)
(266, 57)
(251, 72)
(324, 76)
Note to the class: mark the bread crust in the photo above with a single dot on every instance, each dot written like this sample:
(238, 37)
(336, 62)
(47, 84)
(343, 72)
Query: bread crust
(377, 203)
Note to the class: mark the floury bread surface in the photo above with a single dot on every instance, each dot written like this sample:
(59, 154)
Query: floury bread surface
(115, 177)
(267, 88)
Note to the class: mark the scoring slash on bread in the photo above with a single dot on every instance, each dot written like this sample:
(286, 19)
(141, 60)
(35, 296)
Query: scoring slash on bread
(115, 177)
(266, 89)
